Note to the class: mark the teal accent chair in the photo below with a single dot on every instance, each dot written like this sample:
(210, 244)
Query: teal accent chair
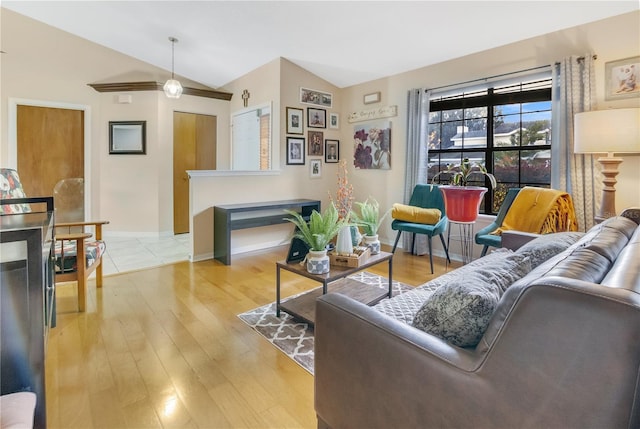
(484, 236)
(427, 197)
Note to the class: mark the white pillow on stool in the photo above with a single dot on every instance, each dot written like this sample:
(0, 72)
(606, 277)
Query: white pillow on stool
(16, 410)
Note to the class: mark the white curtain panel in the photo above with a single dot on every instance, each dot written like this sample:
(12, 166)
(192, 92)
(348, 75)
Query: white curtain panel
(573, 92)
(416, 158)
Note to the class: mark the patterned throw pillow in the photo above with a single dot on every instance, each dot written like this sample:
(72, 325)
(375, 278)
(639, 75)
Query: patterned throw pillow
(547, 246)
(459, 311)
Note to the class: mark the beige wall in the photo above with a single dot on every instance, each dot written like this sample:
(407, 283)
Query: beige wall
(43, 63)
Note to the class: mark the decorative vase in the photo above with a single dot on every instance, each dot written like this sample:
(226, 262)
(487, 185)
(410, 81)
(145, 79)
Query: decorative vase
(317, 262)
(344, 244)
(462, 202)
(356, 237)
(372, 243)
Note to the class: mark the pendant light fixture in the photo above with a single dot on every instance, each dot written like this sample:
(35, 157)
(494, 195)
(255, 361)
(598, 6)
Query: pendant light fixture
(172, 87)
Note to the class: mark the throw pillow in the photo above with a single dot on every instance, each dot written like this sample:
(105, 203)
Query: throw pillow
(546, 246)
(415, 214)
(459, 311)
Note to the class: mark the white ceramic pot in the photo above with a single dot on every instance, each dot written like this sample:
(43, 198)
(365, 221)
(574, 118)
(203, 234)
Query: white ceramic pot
(372, 243)
(317, 262)
(344, 246)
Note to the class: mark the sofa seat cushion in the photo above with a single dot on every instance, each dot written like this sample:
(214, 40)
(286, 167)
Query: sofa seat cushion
(66, 261)
(546, 246)
(460, 310)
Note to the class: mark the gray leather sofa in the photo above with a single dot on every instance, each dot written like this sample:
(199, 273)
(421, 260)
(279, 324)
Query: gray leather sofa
(561, 351)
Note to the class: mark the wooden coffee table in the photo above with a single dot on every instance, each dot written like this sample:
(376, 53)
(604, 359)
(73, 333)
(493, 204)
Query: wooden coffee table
(303, 307)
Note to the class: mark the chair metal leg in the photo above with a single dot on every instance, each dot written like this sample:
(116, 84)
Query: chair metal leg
(395, 244)
(484, 250)
(413, 243)
(430, 253)
(446, 250)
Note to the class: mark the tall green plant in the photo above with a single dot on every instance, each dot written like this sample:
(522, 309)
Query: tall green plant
(320, 230)
(369, 217)
(461, 173)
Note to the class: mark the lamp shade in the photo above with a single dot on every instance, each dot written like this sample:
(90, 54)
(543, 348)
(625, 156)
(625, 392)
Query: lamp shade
(607, 131)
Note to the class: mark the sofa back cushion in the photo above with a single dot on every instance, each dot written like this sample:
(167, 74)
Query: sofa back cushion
(589, 259)
(546, 246)
(625, 273)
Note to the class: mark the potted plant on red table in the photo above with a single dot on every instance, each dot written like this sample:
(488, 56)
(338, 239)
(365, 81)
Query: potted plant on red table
(462, 201)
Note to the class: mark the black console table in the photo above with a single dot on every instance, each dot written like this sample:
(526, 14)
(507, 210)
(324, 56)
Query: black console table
(27, 299)
(258, 214)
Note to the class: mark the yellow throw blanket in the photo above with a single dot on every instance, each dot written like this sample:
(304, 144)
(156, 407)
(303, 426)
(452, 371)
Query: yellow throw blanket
(540, 211)
(415, 214)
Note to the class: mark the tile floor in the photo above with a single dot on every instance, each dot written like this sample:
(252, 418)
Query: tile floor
(129, 254)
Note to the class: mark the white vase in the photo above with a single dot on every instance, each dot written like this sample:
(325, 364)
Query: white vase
(344, 246)
(372, 243)
(317, 262)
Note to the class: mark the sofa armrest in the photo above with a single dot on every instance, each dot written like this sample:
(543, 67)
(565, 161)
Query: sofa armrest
(516, 239)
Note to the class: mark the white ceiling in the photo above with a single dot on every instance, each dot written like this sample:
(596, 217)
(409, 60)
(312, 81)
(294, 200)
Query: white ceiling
(344, 42)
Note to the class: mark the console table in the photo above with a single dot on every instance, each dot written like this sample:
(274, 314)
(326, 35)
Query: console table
(252, 215)
(27, 299)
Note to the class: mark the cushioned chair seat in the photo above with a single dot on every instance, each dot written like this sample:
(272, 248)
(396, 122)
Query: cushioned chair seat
(66, 260)
(484, 236)
(426, 197)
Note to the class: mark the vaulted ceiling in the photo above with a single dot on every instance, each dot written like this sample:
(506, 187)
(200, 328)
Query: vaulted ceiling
(343, 42)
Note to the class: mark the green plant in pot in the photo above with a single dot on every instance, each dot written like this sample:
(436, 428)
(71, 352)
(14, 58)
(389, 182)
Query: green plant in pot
(461, 200)
(317, 233)
(370, 220)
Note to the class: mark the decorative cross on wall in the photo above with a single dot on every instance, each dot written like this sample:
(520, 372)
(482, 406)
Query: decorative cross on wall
(245, 97)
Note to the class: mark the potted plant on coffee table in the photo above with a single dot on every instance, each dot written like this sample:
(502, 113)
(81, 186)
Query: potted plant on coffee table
(370, 220)
(317, 233)
(461, 200)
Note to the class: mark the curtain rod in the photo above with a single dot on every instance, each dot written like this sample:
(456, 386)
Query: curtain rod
(484, 79)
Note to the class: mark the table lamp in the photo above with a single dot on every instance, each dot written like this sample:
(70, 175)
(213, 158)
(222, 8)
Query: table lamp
(613, 131)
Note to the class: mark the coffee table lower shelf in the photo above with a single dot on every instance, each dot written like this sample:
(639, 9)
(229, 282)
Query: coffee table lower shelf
(303, 307)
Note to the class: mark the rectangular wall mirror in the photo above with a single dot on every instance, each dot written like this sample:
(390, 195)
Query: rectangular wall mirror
(128, 137)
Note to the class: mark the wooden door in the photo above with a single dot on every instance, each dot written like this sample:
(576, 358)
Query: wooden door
(50, 147)
(194, 148)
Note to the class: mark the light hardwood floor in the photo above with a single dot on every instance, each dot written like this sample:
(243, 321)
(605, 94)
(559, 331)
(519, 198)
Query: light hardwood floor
(164, 348)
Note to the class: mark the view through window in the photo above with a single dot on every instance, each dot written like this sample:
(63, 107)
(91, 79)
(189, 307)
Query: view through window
(507, 128)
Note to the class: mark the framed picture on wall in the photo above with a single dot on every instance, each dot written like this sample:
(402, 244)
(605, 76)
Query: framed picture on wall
(315, 168)
(331, 151)
(295, 120)
(334, 121)
(316, 118)
(315, 143)
(315, 97)
(621, 79)
(295, 150)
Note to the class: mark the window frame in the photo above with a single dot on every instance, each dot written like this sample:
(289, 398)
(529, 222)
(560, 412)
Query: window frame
(489, 98)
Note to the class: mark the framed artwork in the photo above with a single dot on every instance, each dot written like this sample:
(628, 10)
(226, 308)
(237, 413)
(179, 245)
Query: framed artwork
(295, 120)
(317, 98)
(621, 78)
(315, 143)
(372, 145)
(128, 137)
(315, 168)
(371, 98)
(331, 151)
(295, 150)
(334, 121)
(316, 118)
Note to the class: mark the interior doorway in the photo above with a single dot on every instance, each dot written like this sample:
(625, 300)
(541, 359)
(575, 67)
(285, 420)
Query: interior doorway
(194, 148)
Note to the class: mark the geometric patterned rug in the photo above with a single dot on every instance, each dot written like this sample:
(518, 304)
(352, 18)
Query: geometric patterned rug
(295, 338)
